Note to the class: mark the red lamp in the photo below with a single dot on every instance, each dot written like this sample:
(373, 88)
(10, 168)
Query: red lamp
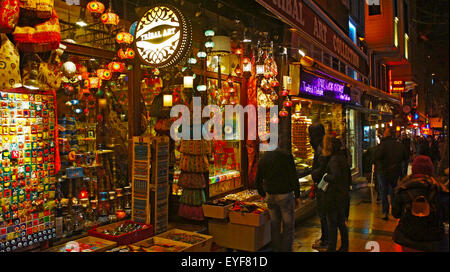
(96, 8)
(287, 103)
(284, 92)
(124, 38)
(104, 74)
(116, 66)
(238, 51)
(110, 18)
(284, 113)
(92, 83)
(126, 54)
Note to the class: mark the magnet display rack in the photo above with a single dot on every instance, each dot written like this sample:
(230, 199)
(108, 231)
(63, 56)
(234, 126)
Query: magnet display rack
(150, 182)
(141, 167)
(159, 193)
(27, 170)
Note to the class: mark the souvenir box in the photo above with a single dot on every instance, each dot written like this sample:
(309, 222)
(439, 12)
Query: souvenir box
(199, 242)
(123, 239)
(86, 244)
(156, 244)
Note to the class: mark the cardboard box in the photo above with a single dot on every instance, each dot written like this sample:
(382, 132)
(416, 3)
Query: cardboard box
(240, 237)
(202, 246)
(249, 219)
(214, 211)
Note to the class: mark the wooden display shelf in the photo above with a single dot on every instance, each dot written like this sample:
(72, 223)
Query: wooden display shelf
(99, 245)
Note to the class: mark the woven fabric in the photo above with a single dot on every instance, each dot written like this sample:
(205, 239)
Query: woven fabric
(40, 38)
(192, 180)
(191, 212)
(193, 197)
(37, 8)
(194, 163)
(9, 15)
(9, 64)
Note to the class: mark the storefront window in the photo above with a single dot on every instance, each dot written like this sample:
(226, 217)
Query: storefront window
(351, 140)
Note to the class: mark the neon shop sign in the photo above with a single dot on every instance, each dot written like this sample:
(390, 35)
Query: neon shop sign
(316, 86)
(163, 36)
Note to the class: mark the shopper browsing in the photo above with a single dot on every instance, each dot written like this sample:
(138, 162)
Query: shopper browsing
(276, 179)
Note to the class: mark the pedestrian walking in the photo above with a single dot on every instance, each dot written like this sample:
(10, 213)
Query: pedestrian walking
(435, 152)
(407, 144)
(335, 184)
(418, 204)
(276, 180)
(390, 155)
(320, 163)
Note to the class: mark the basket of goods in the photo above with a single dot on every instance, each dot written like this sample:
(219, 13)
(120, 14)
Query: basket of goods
(217, 208)
(199, 242)
(123, 232)
(249, 213)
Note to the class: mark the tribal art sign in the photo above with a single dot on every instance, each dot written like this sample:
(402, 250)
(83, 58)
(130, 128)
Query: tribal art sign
(163, 36)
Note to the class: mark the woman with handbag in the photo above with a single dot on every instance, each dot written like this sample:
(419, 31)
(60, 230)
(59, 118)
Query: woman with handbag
(335, 185)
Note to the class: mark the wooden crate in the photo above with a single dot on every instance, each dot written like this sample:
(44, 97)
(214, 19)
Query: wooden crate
(100, 245)
(146, 231)
(203, 246)
(240, 237)
(159, 240)
(248, 219)
(214, 211)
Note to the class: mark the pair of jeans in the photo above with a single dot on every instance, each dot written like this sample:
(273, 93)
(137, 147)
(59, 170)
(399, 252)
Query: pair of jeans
(336, 220)
(387, 184)
(282, 220)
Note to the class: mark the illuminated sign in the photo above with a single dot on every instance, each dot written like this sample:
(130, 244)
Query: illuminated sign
(318, 86)
(163, 36)
(398, 86)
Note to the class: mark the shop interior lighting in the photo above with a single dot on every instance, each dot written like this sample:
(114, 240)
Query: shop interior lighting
(209, 33)
(201, 54)
(81, 23)
(301, 52)
(201, 88)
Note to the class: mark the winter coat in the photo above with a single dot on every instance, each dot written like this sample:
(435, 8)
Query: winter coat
(316, 132)
(339, 179)
(389, 156)
(318, 171)
(423, 233)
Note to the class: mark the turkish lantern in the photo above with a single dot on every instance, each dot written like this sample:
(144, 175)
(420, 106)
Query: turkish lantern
(283, 112)
(92, 83)
(238, 51)
(284, 92)
(104, 74)
(124, 38)
(287, 103)
(116, 67)
(96, 8)
(126, 54)
(110, 18)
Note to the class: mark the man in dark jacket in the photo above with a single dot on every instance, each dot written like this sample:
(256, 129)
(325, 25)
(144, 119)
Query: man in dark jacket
(276, 179)
(423, 232)
(407, 144)
(337, 196)
(316, 135)
(390, 155)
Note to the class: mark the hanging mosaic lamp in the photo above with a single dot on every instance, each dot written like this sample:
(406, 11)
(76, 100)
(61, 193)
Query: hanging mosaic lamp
(96, 8)
(284, 92)
(284, 112)
(116, 66)
(209, 33)
(238, 51)
(238, 70)
(92, 82)
(201, 54)
(287, 103)
(126, 54)
(124, 38)
(109, 18)
(104, 74)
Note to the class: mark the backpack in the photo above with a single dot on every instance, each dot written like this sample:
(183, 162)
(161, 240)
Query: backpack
(420, 204)
(420, 220)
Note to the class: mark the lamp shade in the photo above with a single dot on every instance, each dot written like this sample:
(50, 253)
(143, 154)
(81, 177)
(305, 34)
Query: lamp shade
(116, 66)
(222, 45)
(126, 54)
(110, 18)
(96, 7)
(104, 74)
(167, 100)
(188, 81)
(124, 38)
(92, 82)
